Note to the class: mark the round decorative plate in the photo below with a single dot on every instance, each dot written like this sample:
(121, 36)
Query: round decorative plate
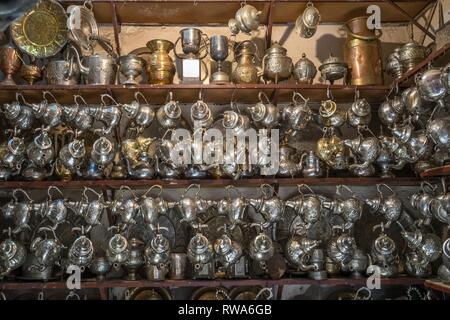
(42, 31)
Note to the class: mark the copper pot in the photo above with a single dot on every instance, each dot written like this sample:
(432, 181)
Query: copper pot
(362, 52)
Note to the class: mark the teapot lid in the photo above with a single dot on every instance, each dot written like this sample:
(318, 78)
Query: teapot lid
(333, 60)
(446, 248)
(77, 149)
(384, 245)
(103, 145)
(263, 243)
(8, 249)
(305, 61)
(276, 48)
(199, 243)
(16, 145)
(223, 245)
(159, 244)
(311, 16)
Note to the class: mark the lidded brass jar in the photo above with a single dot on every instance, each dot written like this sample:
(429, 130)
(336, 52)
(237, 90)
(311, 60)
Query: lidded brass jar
(161, 68)
(362, 52)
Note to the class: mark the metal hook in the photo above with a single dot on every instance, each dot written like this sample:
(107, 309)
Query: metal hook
(196, 185)
(379, 185)
(50, 94)
(19, 94)
(338, 189)
(299, 188)
(105, 95)
(76, 97)
(99, 195)
(262, 93)
(169, 96)
(140, 94)
(122, 187)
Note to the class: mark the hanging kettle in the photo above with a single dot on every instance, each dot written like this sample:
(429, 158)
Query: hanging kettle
(389, 207)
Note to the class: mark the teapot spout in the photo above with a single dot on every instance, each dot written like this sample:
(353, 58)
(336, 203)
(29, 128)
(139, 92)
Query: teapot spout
(373, 204)
(255, 203)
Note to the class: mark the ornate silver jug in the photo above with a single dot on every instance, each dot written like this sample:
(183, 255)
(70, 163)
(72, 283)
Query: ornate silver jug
(261, 247)
(269, 205)
(12, 255)
(264, 114)
(389, 207)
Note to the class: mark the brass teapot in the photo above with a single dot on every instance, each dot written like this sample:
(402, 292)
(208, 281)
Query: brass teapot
(245, 53)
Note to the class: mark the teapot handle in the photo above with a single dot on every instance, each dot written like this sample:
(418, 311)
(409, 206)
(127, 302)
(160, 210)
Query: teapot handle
(386, 186)
(196, 185)
(263, 94)
(123, 187)
(23, 192)
(231, 187)
(76, 97)
(299, 186)
(99, 195)
(338, 189)
(50, 198)
(152, 187)
(105, 95)
(205, 40)
(268, 186)
(138, 94)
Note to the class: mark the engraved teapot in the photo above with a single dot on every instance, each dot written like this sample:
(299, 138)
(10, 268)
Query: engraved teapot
(20, 115)
(261, 247)
(78, 116)
(269, 205)
(109, 114)
(304, 70)
(90, 210)
(349, 209)
(341, 249)
(245, 53)
(427, 245)
(384, 254)
(298, 251)
(359, 113)
(139, 157)
(19, 211)
(200, 251)
(264, 114)
(227, 251)
(432, 86)
(391, 111)
(40, 151)
(81, 253)
(47, 251)
(277, 66)
(169, 115)
(141, 115)
(414, 102)
(235, 209)
(98, 69)
(306, 206)
(190, 207)
(157, 252)
(72, 155)
(439, 131)
(245, 20)
(100, 266)
(201, 115)
(12, 155)
(365, 151)
(421, 202)
(103, 151)
(50, 114)
(127, 208)
(118, 250)
(296, 116)
(55, 210)
(12, 255)
(312, 166)
(152, 208)
(331, 115)
(331, 150)
(389, 207)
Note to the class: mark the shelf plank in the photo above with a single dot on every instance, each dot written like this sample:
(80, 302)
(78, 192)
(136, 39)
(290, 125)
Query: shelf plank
(188, 93)
(208, 283)
(436, 172)
(217, 12)
(438, 286)
(207, 183)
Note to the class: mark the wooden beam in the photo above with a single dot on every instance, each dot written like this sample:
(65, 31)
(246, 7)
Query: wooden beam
(116, 27)
(411, 19)
(271, 14)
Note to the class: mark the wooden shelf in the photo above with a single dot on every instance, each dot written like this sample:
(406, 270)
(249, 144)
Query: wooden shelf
(217, 12)
(208, 283)
(436, 172)
(438, 286)
(188, 93)
(217, 183)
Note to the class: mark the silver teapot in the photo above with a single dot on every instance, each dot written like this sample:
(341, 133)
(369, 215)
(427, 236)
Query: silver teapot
(333, 69)
(235, 209)
(190, 207)
(20, 115)
(135, 259)
(297, 115)
(19, 211)
(416, 265)
(384, 254)
(298, 250)
(40, 151)
(391, 111)
(227, 251)
(264, 114)
(126, 208)
(421, 202)
(359, 113)
(349, 209)
(157, 252)
(307, 206)
(289, 163)
(200, 251)
(331, 114)
(109, 114)
(47, 251)
(427, 245)
(440, 205)
(78, 117)
(201, 115)
(261, 247)
(55, 210)
(389, 207)
(103, 151)
(444, 269)
(412, 54)
(341, 249)
(245, 20)
(51, 114)
(366, 152)
(414, 102)
(12, 155)
(90, 210)
(439, 131)
(277, 66)
(269, 205)
(81, 253)
(72, 155)
(304, 70)
(236, 122)
(118, 250)
(432, 86)
(169, 115)
(141, 115)
(98, 69)
(12, 255)
(152, 208)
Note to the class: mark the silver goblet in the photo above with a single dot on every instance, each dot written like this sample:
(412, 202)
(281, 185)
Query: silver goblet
(131, 66)
(219, 52)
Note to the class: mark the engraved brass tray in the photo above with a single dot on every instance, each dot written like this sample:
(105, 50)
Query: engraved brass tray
(42, 31)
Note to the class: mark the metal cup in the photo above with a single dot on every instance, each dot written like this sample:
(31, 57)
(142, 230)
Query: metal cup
(178, 266)
(10, 62)
(218, 48)
(191, 40)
